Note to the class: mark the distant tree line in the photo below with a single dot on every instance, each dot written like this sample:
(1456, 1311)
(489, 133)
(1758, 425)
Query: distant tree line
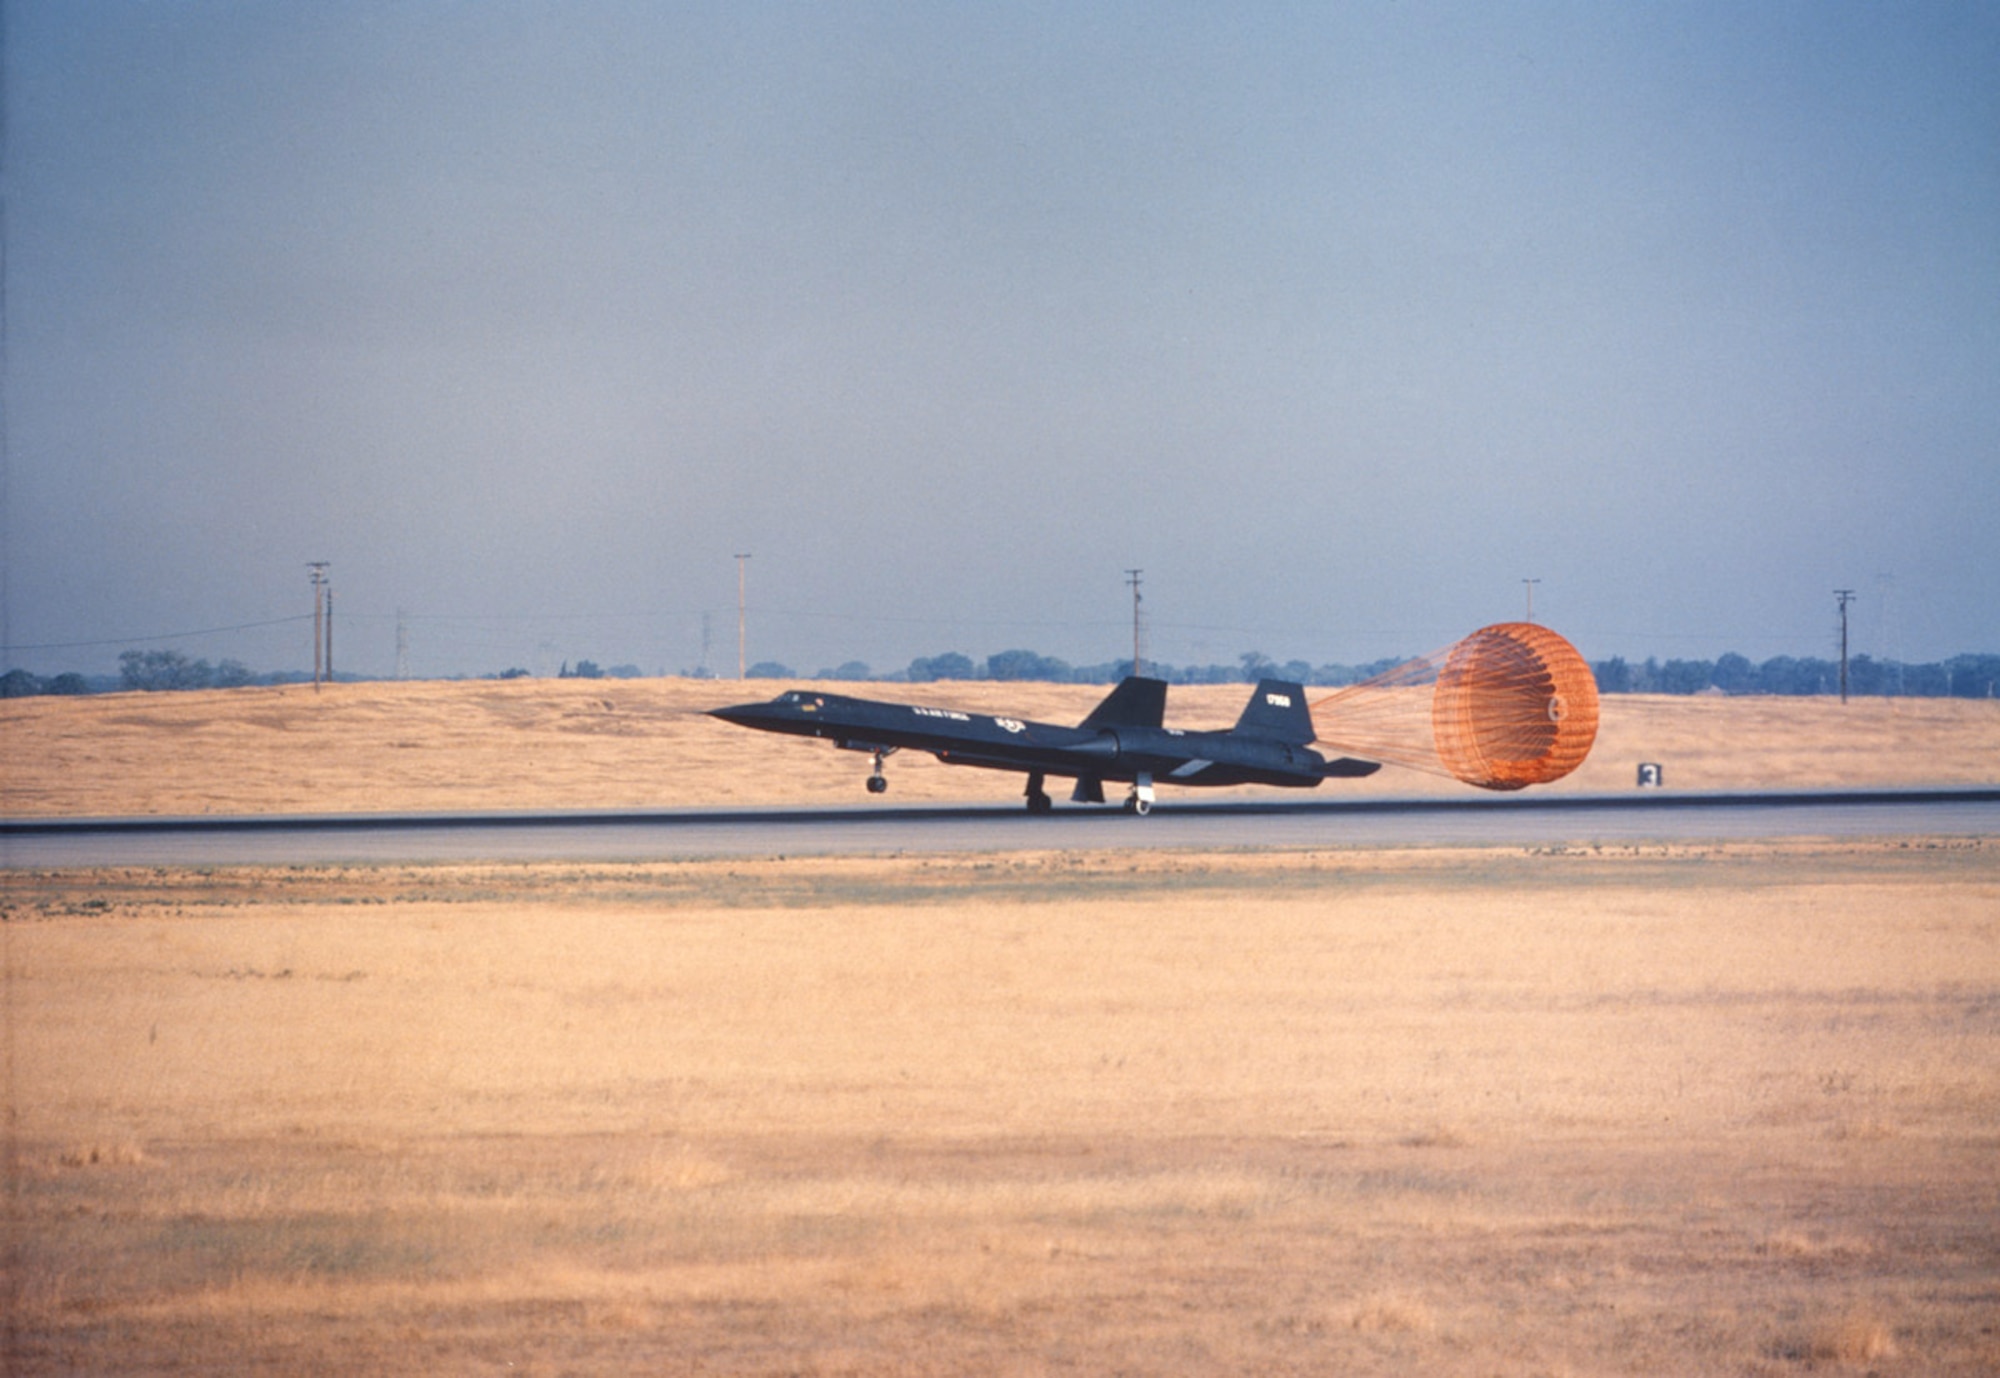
(1965, 676)
(590, 669)
(19, 684)
(159, 670)
(1022, 665)
(1961, 677)
(164, 671)
(148, 671)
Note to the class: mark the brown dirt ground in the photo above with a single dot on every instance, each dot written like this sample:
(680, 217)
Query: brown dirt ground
(1638, 1110)
(532, 744)
(1642, 1110)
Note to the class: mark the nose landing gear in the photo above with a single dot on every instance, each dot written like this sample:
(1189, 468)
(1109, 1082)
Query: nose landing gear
(878, 783)
(1140, 800)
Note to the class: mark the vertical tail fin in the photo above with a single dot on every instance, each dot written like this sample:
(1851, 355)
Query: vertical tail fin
(1136, 702)
(1278, 711)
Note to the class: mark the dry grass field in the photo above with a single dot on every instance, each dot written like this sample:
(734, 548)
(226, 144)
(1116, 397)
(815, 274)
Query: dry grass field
(1728, 1111)
(1721, 1110)
(533, 744)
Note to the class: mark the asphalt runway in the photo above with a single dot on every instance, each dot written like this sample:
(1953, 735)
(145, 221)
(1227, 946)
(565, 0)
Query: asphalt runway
(1527, 820)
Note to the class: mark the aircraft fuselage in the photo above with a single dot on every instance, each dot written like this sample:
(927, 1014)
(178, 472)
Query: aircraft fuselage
(1138, 753)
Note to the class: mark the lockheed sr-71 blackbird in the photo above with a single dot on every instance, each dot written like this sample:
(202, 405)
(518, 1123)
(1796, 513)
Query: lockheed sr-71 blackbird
(1124, 739)
(1509, 706)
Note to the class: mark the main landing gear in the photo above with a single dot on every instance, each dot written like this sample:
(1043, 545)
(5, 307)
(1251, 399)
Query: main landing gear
(1089, 791)
(1038, 798)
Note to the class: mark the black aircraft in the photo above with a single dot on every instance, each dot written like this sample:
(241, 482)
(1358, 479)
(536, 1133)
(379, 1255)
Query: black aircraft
(1124, 739)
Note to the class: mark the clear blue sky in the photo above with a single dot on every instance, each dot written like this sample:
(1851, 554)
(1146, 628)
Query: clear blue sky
(1339, 320)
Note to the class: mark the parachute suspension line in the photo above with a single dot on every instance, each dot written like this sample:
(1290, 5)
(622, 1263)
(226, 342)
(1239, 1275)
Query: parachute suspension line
(1511, 705)
(1386, 718)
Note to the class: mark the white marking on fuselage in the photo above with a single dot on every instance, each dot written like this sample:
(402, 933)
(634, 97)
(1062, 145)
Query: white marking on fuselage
(1194, 767)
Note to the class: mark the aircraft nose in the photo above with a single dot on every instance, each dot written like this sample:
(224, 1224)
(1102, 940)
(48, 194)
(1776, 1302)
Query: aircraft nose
(742, 714)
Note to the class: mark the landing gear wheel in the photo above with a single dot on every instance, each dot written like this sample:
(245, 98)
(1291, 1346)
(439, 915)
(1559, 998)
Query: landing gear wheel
(878, 784)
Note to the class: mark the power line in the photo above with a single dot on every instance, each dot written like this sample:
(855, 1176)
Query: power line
(163, 636)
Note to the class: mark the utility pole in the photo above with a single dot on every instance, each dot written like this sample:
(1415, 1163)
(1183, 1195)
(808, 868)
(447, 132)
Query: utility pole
(1531, 596)
(1132, 578)
(402, 645)
(1845, 596)
(318, 569)
(742, 617)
